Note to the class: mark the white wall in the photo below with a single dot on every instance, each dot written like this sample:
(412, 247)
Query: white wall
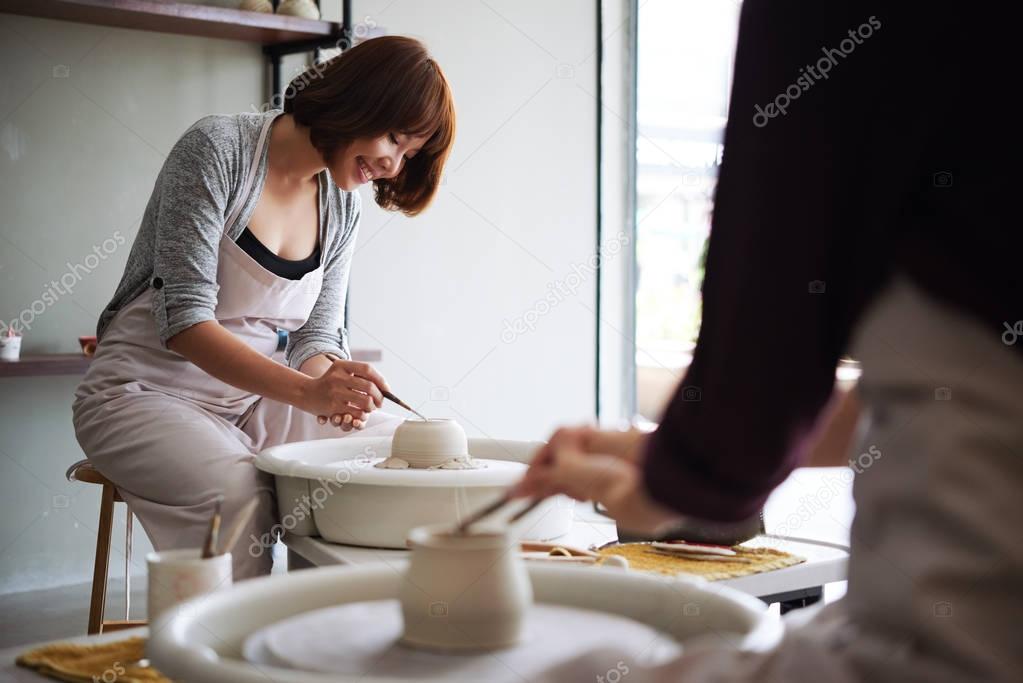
(515, 216)
(87, 115)
(80, 148)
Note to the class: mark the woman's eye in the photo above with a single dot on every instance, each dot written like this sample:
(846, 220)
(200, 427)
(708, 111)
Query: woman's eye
(394, 138)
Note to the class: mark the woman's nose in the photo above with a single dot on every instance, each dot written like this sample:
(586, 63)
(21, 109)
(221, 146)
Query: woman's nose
(390, 166)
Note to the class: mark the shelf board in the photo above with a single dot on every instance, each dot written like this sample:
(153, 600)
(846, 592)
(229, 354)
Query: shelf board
(46, 365)
(181, 18)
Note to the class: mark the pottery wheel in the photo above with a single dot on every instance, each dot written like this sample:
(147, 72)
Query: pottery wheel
(361, 639)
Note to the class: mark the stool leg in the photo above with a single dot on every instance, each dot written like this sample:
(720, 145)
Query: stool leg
(127, 563)
(99, 572)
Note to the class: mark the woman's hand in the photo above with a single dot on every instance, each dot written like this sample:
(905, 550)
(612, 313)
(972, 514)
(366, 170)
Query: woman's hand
(347, 391)
(605, 466)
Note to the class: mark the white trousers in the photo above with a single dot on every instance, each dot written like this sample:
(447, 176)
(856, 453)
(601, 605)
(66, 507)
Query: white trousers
(171, 458)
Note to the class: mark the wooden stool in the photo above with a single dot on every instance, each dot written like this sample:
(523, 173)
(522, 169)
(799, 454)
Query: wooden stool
(84, 471)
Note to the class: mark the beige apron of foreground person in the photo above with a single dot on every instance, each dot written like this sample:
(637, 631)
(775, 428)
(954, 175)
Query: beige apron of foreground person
(172, 437)
(934, 583)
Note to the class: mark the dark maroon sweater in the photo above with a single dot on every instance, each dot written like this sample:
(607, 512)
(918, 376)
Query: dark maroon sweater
(899, 160)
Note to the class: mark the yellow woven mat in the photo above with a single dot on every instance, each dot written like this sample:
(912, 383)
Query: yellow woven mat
(114, 661)
(643, 557)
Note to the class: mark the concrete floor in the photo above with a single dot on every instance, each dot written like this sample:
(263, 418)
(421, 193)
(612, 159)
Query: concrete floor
(36, 616)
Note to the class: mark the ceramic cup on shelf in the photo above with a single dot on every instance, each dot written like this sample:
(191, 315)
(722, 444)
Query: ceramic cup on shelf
(88, 344)
(264, 6)
(306, 9)
(176, 576)
(463, 592)
(10, 347)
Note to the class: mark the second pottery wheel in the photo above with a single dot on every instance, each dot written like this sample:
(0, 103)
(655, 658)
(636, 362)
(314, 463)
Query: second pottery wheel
(309, 642)
(332, 488)
(207, 640)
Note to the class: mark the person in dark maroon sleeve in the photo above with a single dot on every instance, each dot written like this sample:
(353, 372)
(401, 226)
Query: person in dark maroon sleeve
(863, 207)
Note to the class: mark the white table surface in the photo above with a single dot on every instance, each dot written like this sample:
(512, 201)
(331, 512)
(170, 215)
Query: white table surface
(825, 563)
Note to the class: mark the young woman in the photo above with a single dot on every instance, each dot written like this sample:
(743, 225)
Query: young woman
(250, 229)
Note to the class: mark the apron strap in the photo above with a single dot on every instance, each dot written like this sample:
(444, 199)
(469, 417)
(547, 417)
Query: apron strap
(247, 186)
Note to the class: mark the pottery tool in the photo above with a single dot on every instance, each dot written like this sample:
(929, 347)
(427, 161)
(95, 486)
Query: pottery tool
(394, 399)
(685, 548)
(551, 552)
(389, 396)
(558, 559)
(209, 548)
(554, 548)
(494, 507)
(526, 510)
(235, 534)
(702, 557)
(464, 525)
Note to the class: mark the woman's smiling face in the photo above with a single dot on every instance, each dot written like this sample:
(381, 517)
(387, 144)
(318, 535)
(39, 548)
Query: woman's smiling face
(367, 159)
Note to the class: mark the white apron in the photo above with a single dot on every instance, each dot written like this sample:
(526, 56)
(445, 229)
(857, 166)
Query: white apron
(171, 436)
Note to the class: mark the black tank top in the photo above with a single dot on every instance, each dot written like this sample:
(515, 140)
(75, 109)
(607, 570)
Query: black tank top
(292, 270)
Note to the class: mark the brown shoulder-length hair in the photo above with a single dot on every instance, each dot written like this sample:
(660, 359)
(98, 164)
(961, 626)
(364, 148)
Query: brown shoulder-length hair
(384, 85)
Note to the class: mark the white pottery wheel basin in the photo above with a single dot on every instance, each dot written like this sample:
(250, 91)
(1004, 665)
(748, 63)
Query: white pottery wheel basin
(204, 641)
(330, 488)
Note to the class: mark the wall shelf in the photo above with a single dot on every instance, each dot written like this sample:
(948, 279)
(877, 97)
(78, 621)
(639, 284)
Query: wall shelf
(52, 364)
(181, 18)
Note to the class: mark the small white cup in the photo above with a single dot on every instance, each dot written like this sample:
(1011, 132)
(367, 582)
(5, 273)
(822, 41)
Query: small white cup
(179, 575)
(10, 348)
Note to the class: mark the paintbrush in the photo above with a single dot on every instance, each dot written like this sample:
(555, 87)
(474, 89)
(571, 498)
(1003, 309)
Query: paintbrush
(386, 394)
(231, 540)
(209, 548)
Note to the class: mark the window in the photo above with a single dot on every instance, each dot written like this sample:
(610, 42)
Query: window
(685, 51)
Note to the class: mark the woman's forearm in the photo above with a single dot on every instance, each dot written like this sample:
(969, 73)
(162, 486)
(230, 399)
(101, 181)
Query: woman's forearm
(833, 440)
(226, 357)
(316, 365)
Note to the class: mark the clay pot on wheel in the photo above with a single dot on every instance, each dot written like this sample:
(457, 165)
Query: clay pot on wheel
(429, 443)
(463, 593)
